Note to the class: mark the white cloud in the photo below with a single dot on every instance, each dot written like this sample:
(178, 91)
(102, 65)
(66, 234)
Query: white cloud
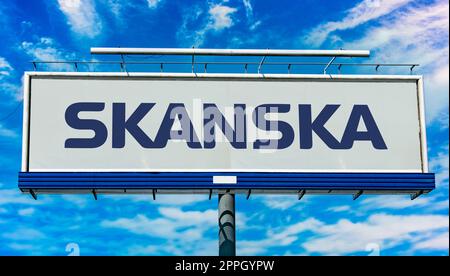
(189, 34)
(172, 224)
(47, 49)
(439, 164)
(7, 84)
(26, 212)
(205, 247)
(195, 25)
(14, 196)
(153, 3)
(159, 227)
(134, 250)
(250, 16)
(342, 208)
(436, 91)
(347, 237)
(220, 17)
(276, 238)
(24, 234)
(180, 199)
(42, 50)
(5, 68)
(10, 88)
(439, 242)
(427, 25)
(397, 202)
(281, 202)
(248, 9)
(82, 17)
(81, 201)
(363, 12)
(183, 231)
(114, 6)
(417, 35)
(21, 247)
(163, 199)
(414, 33)
(6, 132)
(121, 9)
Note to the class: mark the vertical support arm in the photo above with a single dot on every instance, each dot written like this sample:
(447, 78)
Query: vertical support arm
(328, 65)
(227, 235)
(261, 64)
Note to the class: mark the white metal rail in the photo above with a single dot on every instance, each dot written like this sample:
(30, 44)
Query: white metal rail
(193, 52)
(229, 52)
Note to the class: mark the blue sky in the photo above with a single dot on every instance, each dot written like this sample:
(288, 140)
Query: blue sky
(401, 31)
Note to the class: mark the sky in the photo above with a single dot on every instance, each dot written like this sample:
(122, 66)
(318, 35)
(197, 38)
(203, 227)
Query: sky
(396, 31)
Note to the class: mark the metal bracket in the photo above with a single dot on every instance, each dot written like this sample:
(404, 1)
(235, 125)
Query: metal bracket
(339, 68)
(210, 194)
(206, 67)
(416, 195)
(161, 67)
(123, 66)
(376, 67)
(245, 68)
(289, 68)
(358, 194)
(193, 61)
(34, 66)
(248, 193)
(95, 194)
(154, 194)
(301, 193)
(33, 194)
(412, 68)
(76, 66)
(261, 64)
(328, 65)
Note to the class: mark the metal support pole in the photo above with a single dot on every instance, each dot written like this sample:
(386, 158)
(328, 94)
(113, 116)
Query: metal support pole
(227, 224)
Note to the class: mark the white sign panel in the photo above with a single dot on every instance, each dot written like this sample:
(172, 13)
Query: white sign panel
(152, 122)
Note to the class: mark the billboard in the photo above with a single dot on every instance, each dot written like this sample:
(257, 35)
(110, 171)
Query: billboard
(223, 125)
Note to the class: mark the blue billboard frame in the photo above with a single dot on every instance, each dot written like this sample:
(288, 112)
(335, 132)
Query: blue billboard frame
(123, 182)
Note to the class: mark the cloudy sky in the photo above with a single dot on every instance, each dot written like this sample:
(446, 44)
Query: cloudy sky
(400, 31)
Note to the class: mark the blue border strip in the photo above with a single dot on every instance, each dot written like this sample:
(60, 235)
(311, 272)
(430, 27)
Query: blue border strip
(245, 180)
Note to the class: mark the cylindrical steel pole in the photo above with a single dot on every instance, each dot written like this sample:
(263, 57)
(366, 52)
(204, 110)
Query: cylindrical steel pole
(227, 224)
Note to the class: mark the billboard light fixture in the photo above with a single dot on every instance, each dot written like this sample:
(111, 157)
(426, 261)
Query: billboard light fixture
(228, 52)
